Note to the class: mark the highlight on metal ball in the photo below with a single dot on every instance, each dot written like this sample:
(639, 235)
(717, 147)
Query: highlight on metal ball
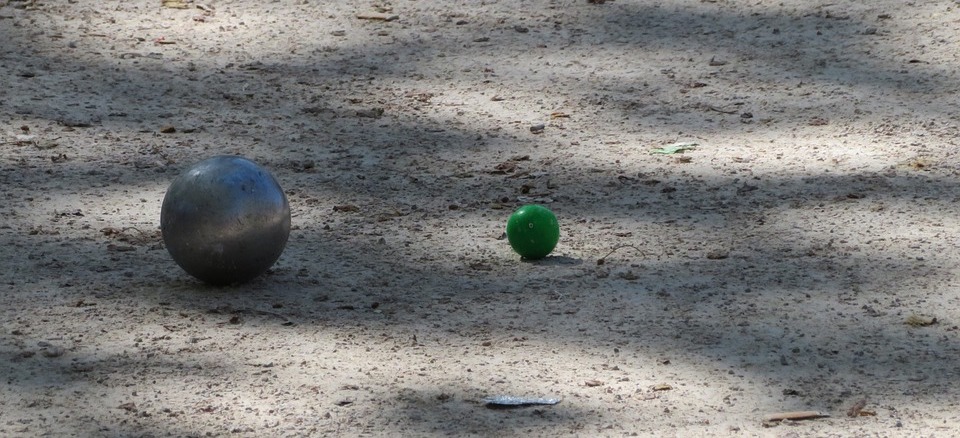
(225, 220)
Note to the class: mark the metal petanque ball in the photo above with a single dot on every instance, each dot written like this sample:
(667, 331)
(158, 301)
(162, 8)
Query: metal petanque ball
(225, 220)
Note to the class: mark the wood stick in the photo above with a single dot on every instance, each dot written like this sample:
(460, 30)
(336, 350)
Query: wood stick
(380, 17)
(795, 415)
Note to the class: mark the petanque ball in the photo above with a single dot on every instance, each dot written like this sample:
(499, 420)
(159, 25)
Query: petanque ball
(533, 231)
(225, 220)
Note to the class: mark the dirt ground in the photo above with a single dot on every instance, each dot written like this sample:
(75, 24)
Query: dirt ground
(802, 257)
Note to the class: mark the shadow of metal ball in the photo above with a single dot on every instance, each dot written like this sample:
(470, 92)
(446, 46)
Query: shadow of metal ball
(225, 220)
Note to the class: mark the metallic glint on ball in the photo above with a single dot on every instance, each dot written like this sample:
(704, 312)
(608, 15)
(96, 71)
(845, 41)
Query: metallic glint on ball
(225, 220)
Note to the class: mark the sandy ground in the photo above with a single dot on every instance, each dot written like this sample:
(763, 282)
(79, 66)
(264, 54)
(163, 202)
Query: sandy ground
(801, 258)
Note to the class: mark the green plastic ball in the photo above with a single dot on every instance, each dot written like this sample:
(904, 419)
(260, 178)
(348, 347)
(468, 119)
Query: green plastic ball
(533, 231)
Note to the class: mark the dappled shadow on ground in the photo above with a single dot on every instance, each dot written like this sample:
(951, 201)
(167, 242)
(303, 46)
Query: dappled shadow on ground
(762, 273)
(263, 100)
(707, 240)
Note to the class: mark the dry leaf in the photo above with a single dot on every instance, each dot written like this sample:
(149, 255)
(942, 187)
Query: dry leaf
(46, 144)
(676, 148)
(346, 208)
(857, 408)
(175, 4)
(920, 320)
(593, 382)
(917, 164)
(24, 139)
(504, 167)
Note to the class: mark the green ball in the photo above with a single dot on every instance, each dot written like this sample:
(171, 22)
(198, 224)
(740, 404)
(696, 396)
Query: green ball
(533, 231)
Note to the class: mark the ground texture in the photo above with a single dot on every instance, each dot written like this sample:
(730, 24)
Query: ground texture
(801, 257)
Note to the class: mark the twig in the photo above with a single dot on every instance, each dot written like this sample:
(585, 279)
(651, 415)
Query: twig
(603, 259)
(378, 17)
(795, 416)
(265, 312)
(713, 108)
